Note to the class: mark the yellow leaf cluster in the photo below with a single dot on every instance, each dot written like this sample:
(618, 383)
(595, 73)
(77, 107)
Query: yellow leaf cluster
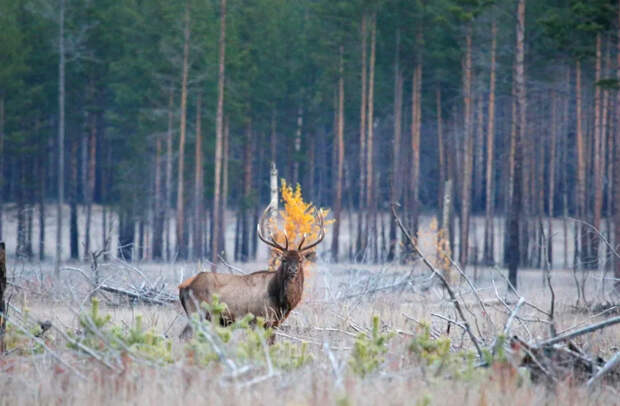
(299, 218)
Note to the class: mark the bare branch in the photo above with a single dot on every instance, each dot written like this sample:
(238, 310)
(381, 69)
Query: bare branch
(443, 280)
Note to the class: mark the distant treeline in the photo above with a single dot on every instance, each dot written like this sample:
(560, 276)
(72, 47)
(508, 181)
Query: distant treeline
(177, 108)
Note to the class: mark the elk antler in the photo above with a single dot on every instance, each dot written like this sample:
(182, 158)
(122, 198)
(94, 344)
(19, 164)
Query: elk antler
(319, 216)
(260, 227)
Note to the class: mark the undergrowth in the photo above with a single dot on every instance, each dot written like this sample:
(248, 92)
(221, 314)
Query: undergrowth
(245, 339)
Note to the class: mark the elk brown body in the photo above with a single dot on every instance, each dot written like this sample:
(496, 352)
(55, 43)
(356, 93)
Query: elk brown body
(267, 294)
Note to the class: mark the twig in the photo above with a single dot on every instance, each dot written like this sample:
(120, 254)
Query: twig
(443, 280)
(589, 329)
(547, 271)
(609, 365)
(516, 292)
(473, 289)
(450, 321)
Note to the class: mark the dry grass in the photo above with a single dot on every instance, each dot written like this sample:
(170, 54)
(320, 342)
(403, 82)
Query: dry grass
(323, 318)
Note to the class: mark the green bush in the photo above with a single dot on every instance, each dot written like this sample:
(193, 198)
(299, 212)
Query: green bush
(368, 351)
(435, 354)
(252, 338)
(98, 333)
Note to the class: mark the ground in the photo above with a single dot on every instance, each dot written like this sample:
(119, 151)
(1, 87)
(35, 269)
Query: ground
(339, 303)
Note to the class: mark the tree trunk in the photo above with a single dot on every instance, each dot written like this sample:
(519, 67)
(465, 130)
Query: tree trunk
(90, 192)
(21, 210)
(168, 192)
(180, 223)
(198, 208)
(606, 151)
(551, 188)
(598, 159)
(297, 144)
(158, 220)
(362, 237)
(468, 153)
(247, 194)
(371, 222)
(217, 225)
(126, 234)
(617, 166)
(489, 234)
(416, 110)
(41, 196)
(395, 187)
(73, 215)
(515, 207)
(224, 198)
(274, 137)
(340, 144)
(479, 158)
(104, 210)
(511, 169)
(443, 236)
(141, 240)
(2, 121)
(441, 153)
(565, 112)
(61, 135)
(581, 171)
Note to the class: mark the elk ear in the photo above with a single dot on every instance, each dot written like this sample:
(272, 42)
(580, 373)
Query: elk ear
(309, 256)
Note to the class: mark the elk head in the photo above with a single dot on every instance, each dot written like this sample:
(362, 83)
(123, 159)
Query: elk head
(291, 258)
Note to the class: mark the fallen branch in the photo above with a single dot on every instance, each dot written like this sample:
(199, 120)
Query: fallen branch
(148, 296)
(589, 329)
(443, 280)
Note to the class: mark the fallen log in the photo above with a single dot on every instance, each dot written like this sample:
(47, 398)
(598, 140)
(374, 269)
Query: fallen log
(588, 329)
(149, 297)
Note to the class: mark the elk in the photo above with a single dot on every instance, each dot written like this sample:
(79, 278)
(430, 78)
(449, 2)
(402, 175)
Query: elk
(267, 294)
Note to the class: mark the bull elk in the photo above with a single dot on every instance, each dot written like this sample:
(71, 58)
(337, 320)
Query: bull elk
(267, 294)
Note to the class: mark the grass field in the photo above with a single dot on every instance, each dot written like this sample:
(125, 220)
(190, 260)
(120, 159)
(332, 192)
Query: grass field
(337, 305)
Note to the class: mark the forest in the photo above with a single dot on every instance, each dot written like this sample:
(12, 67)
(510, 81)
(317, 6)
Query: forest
(169, 116)
(142, 140)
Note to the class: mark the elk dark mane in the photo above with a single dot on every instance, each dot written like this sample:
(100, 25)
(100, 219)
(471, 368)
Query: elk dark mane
(266, 294)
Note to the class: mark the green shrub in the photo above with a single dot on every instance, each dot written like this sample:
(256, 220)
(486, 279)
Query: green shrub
(435, 354)
(431, 351)
(98, 333)
(252, 338)
(368, 351)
